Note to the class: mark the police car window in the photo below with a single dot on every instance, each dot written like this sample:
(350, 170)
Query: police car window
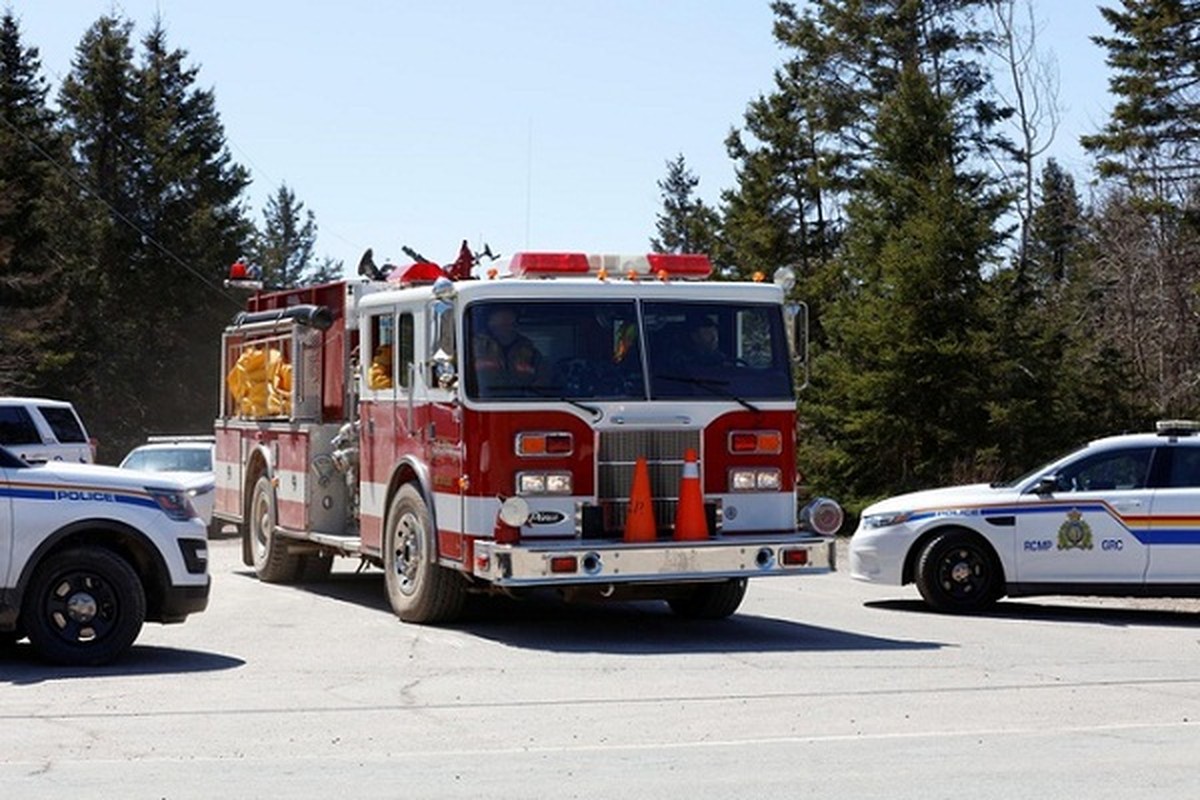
(557, 350)
(1185, 468)
(64, 423)
(1115, 470)
(16, 427)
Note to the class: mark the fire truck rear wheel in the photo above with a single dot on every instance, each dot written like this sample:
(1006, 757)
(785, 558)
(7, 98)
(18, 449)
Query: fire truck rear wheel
(710, 600)
(272, 561)
(417, 587)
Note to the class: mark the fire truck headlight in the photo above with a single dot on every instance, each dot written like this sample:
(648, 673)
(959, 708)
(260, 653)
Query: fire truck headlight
(544, 483)
(755, 480)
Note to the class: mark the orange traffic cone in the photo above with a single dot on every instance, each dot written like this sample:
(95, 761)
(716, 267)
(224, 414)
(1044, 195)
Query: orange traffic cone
(639, 522)
(691, 523)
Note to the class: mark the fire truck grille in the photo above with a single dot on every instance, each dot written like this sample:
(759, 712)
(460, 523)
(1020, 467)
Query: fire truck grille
(663, 450)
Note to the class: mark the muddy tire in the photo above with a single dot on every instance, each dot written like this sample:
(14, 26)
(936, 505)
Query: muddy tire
(418, 589)
(272, 561)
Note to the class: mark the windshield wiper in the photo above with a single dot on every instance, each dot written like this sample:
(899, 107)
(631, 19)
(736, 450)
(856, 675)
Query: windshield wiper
(550, 392)
(712, 387)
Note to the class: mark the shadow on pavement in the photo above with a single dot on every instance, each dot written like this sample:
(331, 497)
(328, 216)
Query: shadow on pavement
(542, 621)
(19, 665)
(1025, 611)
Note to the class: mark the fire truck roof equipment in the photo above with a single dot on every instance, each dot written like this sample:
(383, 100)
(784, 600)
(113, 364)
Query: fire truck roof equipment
(689, 266)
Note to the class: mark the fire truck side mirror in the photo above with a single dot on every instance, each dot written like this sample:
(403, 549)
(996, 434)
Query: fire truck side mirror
(797, 319)
(442, 362)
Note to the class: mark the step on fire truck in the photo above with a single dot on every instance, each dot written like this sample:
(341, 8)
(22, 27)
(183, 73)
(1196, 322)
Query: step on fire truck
(609, 426)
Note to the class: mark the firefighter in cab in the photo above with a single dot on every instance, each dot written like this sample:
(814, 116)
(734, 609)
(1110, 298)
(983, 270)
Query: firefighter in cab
(505, 358)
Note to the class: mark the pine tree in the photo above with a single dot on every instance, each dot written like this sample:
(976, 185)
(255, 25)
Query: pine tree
(284, 248)
(33, 350)
(900, 401)
(686, 224)
(1153, 136)
(161, 219)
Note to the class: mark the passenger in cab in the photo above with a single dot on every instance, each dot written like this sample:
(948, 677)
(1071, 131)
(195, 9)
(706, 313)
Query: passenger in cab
(505, 357)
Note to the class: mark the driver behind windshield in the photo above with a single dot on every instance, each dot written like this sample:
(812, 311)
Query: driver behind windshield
(504, 357)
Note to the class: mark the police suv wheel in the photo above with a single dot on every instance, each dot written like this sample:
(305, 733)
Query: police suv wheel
(958, 573)
(272, 561)
(83, 607)
(418, 589)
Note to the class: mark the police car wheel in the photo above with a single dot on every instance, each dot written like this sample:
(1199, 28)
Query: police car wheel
(272, 561)
(957, 572)
(710, 600)
(84, 607)
(418, 589)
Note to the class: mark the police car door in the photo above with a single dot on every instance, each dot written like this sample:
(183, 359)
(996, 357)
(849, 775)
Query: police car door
(1076, 531)
(1172, 531)
(6, 517)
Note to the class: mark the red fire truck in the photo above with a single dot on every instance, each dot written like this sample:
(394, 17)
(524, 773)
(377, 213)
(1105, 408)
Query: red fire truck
(610, 426)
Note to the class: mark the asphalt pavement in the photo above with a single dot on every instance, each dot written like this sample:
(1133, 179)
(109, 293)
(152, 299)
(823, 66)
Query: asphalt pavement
(819, 687)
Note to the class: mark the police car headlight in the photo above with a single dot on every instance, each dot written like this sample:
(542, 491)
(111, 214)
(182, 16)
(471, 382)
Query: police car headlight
(886, 520)
(544, 483)
(175, 504)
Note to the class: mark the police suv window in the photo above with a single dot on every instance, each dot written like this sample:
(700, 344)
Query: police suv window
(64, 423)
(1185, 468)
(16, 427)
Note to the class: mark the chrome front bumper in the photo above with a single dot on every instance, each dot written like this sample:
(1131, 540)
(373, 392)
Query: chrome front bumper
(550, 563)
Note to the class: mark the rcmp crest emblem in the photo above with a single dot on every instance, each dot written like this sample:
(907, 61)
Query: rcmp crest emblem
(1074, 533)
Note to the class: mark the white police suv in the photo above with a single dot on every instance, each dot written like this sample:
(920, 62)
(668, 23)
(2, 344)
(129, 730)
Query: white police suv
(1120, 516)
(88, 553)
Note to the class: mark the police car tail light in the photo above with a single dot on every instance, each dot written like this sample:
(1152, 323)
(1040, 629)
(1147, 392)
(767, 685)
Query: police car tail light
(548, 264)
(175, 505)
(755, 479)
(544, 483)
(755, 442)
(545, 444)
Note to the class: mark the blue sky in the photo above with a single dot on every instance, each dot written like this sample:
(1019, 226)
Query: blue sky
(526, 124)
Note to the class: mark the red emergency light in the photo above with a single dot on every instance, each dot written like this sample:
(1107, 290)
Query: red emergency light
(420, 272)
(691, 266)
(535, 265)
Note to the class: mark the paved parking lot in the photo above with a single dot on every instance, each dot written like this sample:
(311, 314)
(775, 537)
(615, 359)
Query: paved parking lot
(821, 687)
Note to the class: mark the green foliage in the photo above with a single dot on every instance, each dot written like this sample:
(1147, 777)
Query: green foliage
(686, 224)
(283, 249)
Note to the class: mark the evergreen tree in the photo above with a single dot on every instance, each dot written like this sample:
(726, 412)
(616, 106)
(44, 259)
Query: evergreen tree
(900, 400)
(686, 224)
(161, 220)
(1153, 136)
(33, 350)
(284, 248)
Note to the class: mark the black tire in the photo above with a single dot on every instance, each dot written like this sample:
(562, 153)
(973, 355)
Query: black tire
(710, 600)
(315, 567)
(216, 528)
(272, 561)
(958, 573)
(83, 607)
(418, 589)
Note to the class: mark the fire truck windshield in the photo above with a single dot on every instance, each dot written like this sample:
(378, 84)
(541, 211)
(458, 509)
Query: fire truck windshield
(594, 350)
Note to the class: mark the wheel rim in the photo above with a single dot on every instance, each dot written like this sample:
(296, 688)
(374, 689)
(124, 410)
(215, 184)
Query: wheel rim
(262, 523)
(964, 573)
(82, 607)
(406, 553)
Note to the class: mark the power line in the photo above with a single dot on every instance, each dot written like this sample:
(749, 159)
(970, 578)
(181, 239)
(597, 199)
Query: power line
(146, 237)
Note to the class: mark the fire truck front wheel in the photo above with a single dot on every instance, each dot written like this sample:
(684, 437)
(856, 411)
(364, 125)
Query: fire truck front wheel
(710, 600)
(272, 561)
(417, 587)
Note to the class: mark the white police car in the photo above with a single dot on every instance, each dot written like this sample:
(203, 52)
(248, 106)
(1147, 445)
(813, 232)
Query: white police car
(1120, 516)
(88, 553)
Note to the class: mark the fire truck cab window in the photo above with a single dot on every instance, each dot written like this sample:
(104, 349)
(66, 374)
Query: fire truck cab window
(715, 350)
(405, 349)
(553, 350)
(381, 368)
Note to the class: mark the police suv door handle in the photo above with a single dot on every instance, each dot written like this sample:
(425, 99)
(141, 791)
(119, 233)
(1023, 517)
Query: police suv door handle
(1123, 505)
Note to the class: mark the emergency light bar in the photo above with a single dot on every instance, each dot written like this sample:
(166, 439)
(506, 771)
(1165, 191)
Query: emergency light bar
(690, 266)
